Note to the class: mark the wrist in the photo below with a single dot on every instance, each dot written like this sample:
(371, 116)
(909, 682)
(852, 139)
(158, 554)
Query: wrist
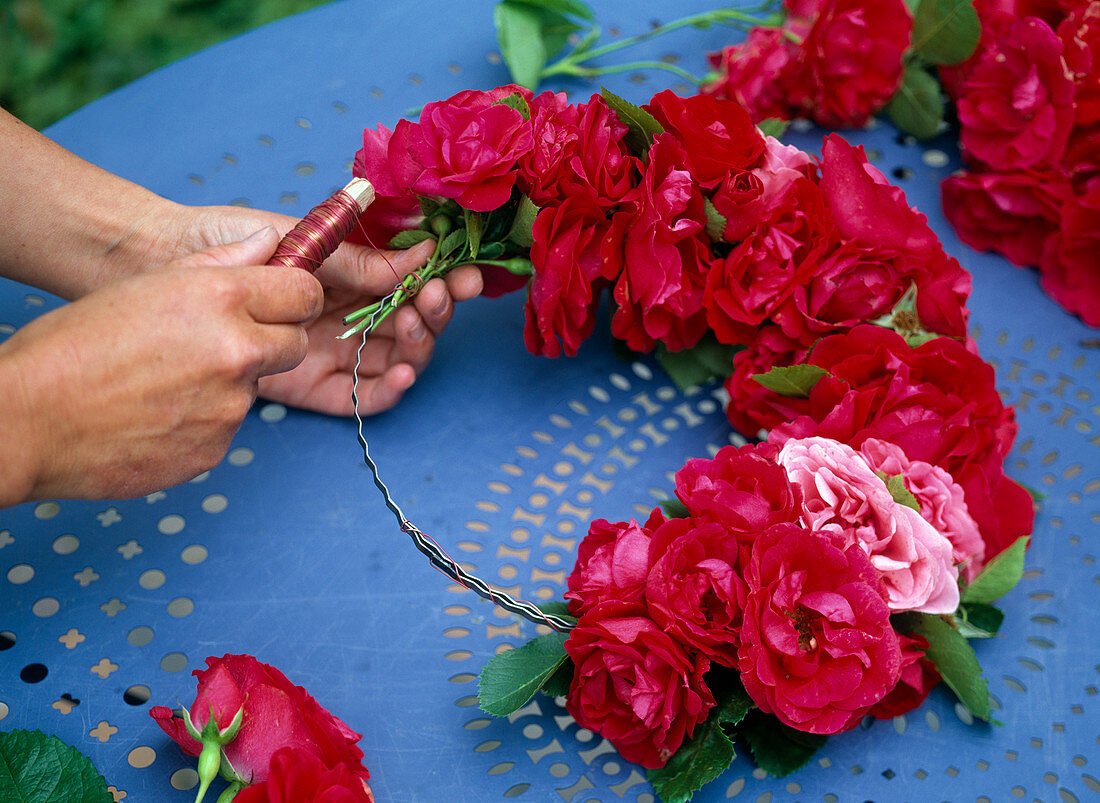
(19, 438)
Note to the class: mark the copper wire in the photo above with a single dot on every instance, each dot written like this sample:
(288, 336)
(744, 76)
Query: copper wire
(318, 234)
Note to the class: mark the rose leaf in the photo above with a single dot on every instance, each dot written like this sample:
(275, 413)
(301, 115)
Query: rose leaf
(518, 102)
(773, 127)
(409, 238)
(36, 768)
(699, 761)
(946, 31)
(978, 620)
(475, 225)
(522, 231)
(642, 126)
(792, 380)
(529, 33)
(999, 576)
(716, 221)
(511, 678)
(918, 106)
(574, 8)
(953, 656)
(776, 748)
(896, 486)
(675, 509)
(706, 360)
(452, 242)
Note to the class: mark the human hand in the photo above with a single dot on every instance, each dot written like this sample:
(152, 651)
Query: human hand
(355, 275)
(142, 384)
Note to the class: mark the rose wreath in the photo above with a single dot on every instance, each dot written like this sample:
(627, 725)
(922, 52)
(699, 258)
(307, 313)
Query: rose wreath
(836, 569)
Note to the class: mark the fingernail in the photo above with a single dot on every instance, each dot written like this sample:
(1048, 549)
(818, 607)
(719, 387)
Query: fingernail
(255, 236)
(418, 330)
(441, 305)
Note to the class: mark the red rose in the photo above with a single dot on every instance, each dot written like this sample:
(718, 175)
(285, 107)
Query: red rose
(918, 677)
(298, 776)
(1069, 269)
(693, 590)
(555, 136)
(756, 74)
(743, 489)
(633, 684)
(384, 160)
(938, 402)
(1013, 213)
(276, 714)
(1016, 108)
(603, 168)
(468, 146)
(658, 251)
(1080, 34)
(717, 135)
(565, 290)
(851, 57)
(817, 649)
(752, 407)
(612, 564)
(739, 199)
(758, 276)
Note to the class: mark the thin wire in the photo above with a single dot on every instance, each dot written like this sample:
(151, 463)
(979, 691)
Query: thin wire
(435, 554)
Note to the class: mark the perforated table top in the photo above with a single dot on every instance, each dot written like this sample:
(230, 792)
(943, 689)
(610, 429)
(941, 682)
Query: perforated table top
(285, 551)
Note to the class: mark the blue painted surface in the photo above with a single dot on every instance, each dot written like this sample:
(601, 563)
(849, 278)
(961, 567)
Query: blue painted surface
(502, 457)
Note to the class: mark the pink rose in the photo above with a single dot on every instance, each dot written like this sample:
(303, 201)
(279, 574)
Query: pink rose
(717, 135)
(658, 251)
(1014, 214)
(817, 649)
(298, 776)
(843, 495)
(635, 685)
(276, 714)
(612, 564)
(852, 58)
(565, 290)
(1016, 108)
(693, 591)
(468, 146)
(756, 74)
(942, 501)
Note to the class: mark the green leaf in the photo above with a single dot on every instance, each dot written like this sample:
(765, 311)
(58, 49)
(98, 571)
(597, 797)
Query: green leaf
(428, 205)
(572, 8)
(979, 620)
(999, 576)
(511, 678)
(557, 685)
(792, 380)
(773, 127)
(946, 31)
(36, 768)
(523, 223)
(675, 509)
(716, 221)
(409, 238)
(491, 250)
(518, 102)
(528, 35)
(918, 106)
(475, 225)
(706, 755)
(706, 360)
(896, 486)
(642, 125)
(557, 607)
(955, 660)
(452, 242)
(776, 748)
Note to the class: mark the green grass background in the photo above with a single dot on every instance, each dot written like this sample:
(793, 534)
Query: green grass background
(58, 55)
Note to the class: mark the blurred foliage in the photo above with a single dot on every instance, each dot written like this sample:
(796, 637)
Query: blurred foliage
(57, 55)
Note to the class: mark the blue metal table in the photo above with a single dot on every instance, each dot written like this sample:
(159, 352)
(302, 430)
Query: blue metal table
(284, 550)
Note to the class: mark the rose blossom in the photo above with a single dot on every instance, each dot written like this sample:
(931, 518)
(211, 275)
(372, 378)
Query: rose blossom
(565, 289)
(756, 73)
(1080, 34)
(852, 57)
(817, 649)
(918, 677)
(841, 494)
(1016, 107)
(276, 714)
(942, 502)
(693, 590)
(754, 408)
(634, 684)
(467, 146)
(658, 252)
(1069, 267)
(298, 776)
(612, 564)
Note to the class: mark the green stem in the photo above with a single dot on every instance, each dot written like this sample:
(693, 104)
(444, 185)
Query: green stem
(230, 792)
(586, 72)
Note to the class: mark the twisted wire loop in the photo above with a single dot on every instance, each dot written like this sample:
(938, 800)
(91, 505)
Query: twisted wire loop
(435, 554)
(318, 234)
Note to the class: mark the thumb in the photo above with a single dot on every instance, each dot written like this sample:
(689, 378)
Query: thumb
(255, 249)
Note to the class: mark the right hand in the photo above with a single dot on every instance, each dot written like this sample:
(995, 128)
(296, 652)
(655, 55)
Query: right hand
(142, 384)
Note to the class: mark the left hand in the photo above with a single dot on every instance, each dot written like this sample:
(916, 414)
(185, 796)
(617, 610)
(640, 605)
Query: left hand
(395, 354)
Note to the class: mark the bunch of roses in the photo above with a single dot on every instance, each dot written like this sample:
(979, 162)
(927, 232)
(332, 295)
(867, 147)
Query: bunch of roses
(269, 738)
(786, 567)
(1028, 105)
(836, 62)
